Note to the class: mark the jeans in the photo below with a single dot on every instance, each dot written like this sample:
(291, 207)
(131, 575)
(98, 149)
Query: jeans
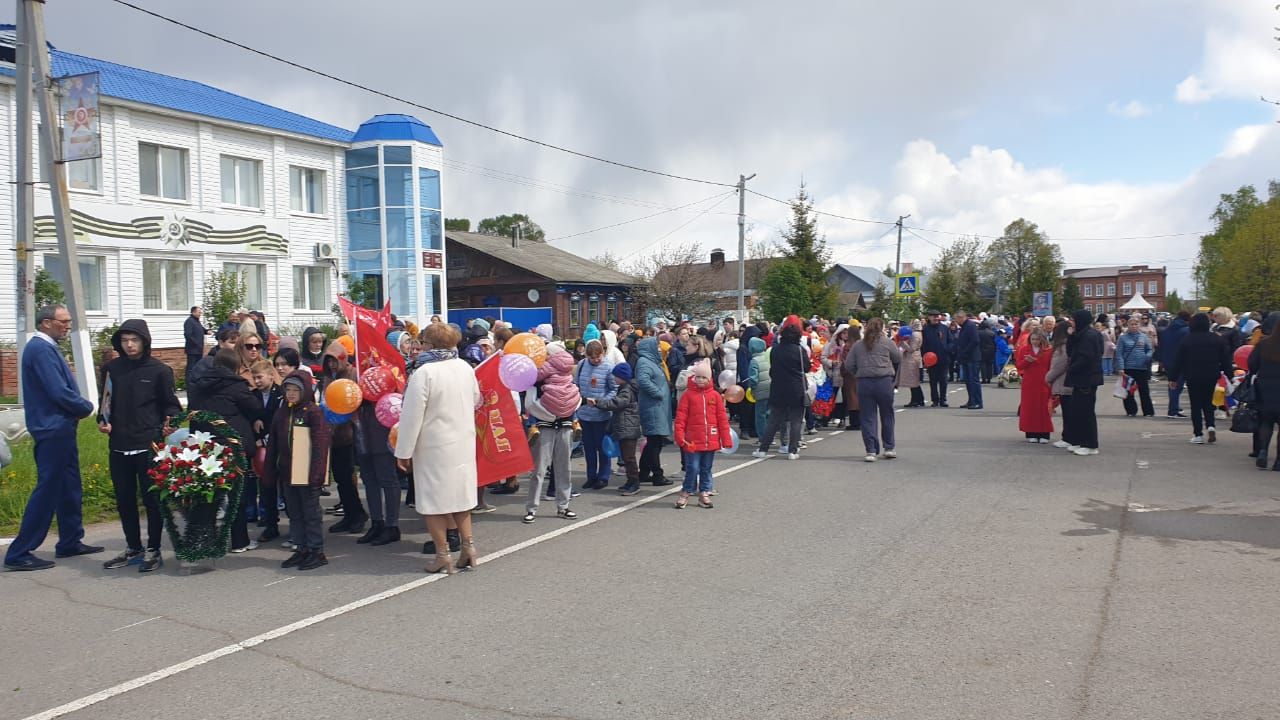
(1108, 366)
(972, 383)
(128, 478)
(1200, 393)
(938, 384)
(762, 416)
(598, 464)
(793, 416)
(552, 451)
(1143, 379)
(381, 487)
(57, 492)
(875, 395)
(1175, 398)
(305, 516)
(697, 471)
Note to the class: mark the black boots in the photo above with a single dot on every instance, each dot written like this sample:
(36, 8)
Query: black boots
(454, 539)
(351, 523)
(375, 528)
(387, 536)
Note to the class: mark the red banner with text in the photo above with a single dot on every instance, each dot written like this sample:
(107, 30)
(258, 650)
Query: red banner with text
(502, 450)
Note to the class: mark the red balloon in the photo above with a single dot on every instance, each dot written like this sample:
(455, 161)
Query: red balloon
(930, 359)
(1241, 356)
(376, 382)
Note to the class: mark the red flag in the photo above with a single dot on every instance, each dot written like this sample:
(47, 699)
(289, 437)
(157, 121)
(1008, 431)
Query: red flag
(502, 450)
(372, 347)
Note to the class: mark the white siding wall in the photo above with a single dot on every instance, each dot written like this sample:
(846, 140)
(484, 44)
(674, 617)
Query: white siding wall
(206, 141)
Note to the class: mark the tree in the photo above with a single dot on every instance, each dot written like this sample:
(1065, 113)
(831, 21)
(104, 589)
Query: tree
(1071, 299)
(807, 251)
(505, 225)
(1214, 274)
(608, 259)
(755, 272)
(1172, 303)
(1022, 262)
(457, 225)
(362, 291)
(1250, 277)
(955, 280)
(887, 304)
(673, 282)
(783, 291)
(47, 290)
(224, 292)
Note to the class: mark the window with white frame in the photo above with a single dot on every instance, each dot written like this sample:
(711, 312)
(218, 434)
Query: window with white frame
(255, 283)
(1111, 307)
(306, 190)
(162, 171)
(166, 285)
(1128, 289)
(92, 274)
(311, 288)
(1111, 289)
(1152, 287)
(1097, 290)
(1088, 290)
(85, 174)
(241, 182)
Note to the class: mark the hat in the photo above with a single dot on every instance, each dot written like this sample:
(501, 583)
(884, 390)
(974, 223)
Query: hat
(394, 337)
(544, 331)
(292, 380)
(480, 323)
(622, 371)
(702, 369)
(591, 333)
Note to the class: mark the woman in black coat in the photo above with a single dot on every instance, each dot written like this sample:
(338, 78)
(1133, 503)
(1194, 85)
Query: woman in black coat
(1264, 368)
(788, 363)
(223, 391)
(1202, 357)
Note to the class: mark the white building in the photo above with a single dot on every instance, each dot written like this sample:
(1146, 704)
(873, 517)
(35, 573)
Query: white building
(194, 180)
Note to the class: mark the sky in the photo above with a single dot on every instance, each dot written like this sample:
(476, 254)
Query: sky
(1103, 122)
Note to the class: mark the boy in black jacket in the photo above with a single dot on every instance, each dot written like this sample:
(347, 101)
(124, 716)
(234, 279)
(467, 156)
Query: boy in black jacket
(138, 399)
(266, 389)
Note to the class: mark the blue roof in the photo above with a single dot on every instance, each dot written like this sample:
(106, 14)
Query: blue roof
(150, 88)
(395, 127)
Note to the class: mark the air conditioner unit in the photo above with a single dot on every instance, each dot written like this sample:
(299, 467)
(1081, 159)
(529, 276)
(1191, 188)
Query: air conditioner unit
(325, 251)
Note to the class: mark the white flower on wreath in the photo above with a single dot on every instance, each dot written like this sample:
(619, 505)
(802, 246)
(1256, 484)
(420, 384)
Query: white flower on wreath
(211, 467)
(216, 450)
(189, 454)
(163, 454)
(200, 437)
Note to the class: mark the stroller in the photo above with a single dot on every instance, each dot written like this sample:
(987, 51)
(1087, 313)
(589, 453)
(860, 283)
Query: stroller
(1009, 376)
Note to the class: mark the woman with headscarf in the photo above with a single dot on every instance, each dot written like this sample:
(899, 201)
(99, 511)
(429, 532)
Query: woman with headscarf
(1264, 369)
(909, 370)
(312, 350)
(437, 443)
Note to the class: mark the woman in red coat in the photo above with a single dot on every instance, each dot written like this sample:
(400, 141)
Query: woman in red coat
(1033, 360)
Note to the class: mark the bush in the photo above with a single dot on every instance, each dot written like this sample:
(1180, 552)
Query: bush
(18, 480)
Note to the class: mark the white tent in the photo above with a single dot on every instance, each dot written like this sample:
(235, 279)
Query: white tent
(1137, 302)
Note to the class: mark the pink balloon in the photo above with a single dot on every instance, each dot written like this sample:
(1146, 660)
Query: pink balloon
(388, 409)
(517, 372)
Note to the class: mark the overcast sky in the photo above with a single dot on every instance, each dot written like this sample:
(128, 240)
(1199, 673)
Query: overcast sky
(1095, 119)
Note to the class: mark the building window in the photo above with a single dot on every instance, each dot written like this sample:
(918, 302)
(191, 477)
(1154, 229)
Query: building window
(1088, 290)
(162, 171)
(255, 283)
(1128, 289)
(306, 190)
(1111, 307)
(593, 309)
(166, 285)
(85, 174)
(311, 288)
(363, 189)
(241, 182)
(1097, 290)
(611, 310)
(1111, 289)
(1151, 287)
(92, 272)
(575, 310)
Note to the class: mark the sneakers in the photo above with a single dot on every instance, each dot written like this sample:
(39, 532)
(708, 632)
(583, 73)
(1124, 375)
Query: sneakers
(1197, 440)
(759, 454)
(1219, 415)
(128, 557)
(567, 514)
(529, 517)
(1044, 441)
(288, 545)
(151, 561)
(1062, 444)
(1085, 451)
(870, 458)
(793, 456)
(1072, 448)
(1032, 441)
(891, 454)
(482, 509)
(1178, 414)
(629, 490)
(1213, 434)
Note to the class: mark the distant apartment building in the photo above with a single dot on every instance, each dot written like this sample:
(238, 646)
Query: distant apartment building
(1103, 289)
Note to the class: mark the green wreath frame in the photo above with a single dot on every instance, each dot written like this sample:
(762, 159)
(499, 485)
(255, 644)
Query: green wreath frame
(210, 545)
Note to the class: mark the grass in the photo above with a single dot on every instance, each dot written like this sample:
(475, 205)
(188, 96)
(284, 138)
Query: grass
(18, 479)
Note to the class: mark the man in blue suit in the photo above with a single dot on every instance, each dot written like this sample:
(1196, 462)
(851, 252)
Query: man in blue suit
(53, 408)
(969, 354)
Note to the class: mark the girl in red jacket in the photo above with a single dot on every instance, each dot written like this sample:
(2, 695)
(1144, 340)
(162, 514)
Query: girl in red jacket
(702, 428)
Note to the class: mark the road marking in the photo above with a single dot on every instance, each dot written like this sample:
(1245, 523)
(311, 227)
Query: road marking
(140, 622)
(277, 582)
(195, 662)
(898, 410)
(5, 541)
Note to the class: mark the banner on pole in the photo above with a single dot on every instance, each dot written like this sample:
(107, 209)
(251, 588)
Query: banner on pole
(370, 328)
(502, 450)
(78, 106)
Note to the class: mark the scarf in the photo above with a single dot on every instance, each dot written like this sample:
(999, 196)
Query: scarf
(430, 356)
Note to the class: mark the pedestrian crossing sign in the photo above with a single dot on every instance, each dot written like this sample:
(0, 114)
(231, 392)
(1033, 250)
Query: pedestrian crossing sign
(909, 284)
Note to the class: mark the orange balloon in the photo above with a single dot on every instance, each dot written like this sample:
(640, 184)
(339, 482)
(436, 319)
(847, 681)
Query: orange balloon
(527, 344)
(343, 396)
(348, 343)
(393, 435)
(734, 394)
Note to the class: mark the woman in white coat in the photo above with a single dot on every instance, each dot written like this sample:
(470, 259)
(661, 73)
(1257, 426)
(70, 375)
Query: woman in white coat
(437, 443)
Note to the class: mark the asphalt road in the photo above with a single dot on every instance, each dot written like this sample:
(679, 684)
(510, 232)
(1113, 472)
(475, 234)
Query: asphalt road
(976, 576)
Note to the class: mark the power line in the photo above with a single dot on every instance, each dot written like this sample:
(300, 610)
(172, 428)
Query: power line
(646, 217)
(679, 227)
(389, 96)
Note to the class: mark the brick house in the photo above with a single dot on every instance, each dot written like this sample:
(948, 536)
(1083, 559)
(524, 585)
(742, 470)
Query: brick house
(1103, 289)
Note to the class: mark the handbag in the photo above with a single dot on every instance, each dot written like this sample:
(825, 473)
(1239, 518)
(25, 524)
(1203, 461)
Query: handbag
(1245, 393)
(1244, 420)
(610, 447)
(1124, 387)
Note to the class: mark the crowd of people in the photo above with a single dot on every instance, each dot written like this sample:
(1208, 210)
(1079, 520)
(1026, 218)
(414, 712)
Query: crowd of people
(617, 393)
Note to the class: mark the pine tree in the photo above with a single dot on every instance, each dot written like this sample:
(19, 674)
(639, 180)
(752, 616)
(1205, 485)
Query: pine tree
(807, 252)
(1071, 299)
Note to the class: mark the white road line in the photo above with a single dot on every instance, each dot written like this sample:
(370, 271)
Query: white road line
(277, 582)
(898, 410)
(161, 674)
(140, 622)
(5, 541)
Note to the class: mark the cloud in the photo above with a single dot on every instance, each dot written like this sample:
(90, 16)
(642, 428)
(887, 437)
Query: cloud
(1240, 59)
(1130, 110)
(1245, 139)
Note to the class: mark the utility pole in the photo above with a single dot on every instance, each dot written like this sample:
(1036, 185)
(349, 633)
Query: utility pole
(24, 221)
(742, 247)
(897, 265)
(32, 15)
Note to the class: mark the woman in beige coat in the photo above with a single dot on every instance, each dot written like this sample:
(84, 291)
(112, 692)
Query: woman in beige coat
(909, 341)
(437, 442)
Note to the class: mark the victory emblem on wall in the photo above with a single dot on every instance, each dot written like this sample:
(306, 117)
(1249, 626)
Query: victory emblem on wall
(173, 230)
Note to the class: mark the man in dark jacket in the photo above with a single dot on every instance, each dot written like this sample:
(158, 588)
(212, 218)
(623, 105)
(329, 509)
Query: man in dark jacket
(969, 355)
(1169, 340)
(937, 340)
(1084, 376)
(1202, 357)
(987, 349)
(193, 332)
(222, 391)
(138, 400)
